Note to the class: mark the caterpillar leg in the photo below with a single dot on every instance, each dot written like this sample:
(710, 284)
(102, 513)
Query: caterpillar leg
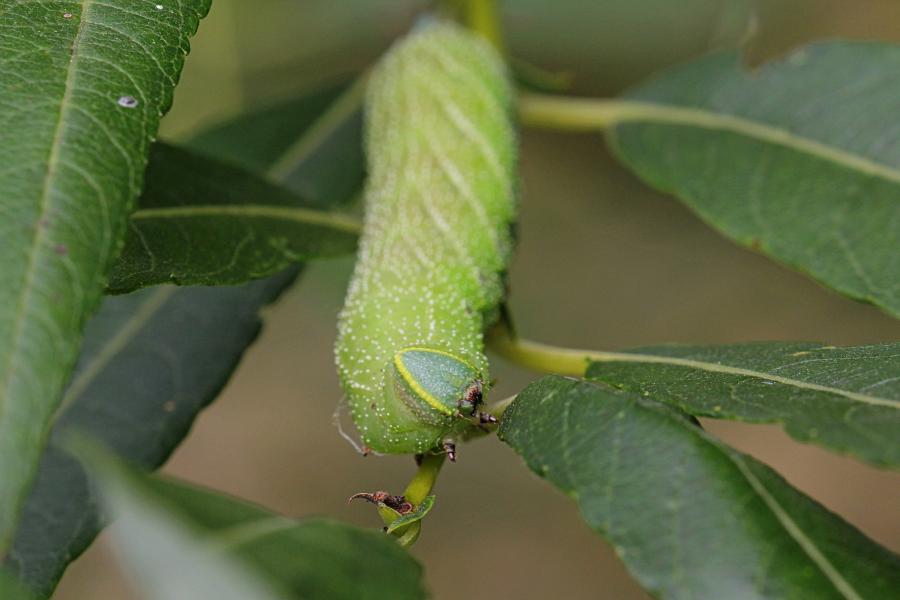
(486, 418)
(398, 503)
(449, 449)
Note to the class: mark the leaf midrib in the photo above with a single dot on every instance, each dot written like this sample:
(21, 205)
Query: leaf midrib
(52, 167)
(231, 538)
(303, 216)
(730, 370)
(126, 333)
(585, 114)
(790, 526)
(571, 361)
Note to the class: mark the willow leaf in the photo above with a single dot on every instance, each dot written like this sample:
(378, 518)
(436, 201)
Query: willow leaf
(82, 87)
(798, 159)
(139, 338)
(138, 387)
(689, 517)
(204, 222)
(166, 529)
(843, 398)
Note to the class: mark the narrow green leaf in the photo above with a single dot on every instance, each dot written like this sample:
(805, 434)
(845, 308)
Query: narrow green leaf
(798, 159)
(200, 221)
(138, 387)
(312, 558)
(689, 517)
(313, 143)
(167, 527)
(82, 86)
(845, 399)
(164, 553)
(122, 347)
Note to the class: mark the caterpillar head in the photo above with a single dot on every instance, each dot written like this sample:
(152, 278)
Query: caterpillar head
(434, 384)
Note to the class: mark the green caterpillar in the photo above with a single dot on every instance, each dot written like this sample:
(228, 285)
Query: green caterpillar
(437, 238)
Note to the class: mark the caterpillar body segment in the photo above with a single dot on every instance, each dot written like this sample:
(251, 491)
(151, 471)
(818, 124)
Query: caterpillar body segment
(440, 202)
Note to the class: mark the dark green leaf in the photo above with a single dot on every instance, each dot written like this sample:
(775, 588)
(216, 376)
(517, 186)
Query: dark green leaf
(138, 387)
(798, 159)
(82, 87)
(204, 222)
(312, 143)
(61, 517)
(690, 517)
(846, 399)
(166, 528)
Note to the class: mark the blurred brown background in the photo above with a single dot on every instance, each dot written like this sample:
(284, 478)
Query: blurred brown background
(603, 263)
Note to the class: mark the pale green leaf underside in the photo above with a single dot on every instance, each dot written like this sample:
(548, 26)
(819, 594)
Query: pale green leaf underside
(843, 398)
(82, 86)
(690, 517)
(311, 558)
(185, 542)
(203, 222)
(799, 159)
(164, 554)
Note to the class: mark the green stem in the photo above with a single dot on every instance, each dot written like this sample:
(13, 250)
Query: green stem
(570, 361)
(482, 16)
(422, 483)
(418, 489)
(571, 113)
(497, 408)
(576, 114)
(589, 114)
(541, 357)
(545, 358)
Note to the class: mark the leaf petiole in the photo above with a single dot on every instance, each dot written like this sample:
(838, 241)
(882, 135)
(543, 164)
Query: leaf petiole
(482, 16)
(541, 357)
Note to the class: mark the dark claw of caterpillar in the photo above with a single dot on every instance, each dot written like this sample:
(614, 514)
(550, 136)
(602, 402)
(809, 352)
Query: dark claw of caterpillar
(450, 450)
(487, 418)
(397, 503)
